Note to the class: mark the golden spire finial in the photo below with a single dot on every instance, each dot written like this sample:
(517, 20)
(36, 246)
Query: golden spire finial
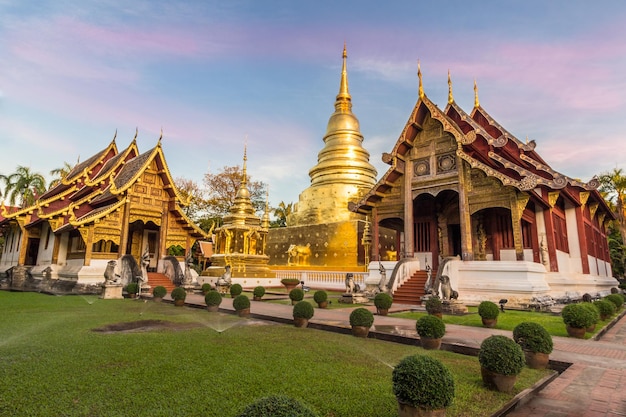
(476, 102)
(450, 96)
(136, 133)
(419, 77)
(245, 159)
(344, 100)
(114, 136)
(160, 137)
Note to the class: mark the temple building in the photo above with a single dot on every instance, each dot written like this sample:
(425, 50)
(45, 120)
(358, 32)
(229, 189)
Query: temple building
(321, 232)
(460, 185)
(240, 243)
(110, 205)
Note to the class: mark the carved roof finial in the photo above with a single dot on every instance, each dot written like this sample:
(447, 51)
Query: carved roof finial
(450, 96)
(343, 102)
(419, 77)
(476, 102)
(114, 136)
(245, 159)
(160, 137)
(136, 133)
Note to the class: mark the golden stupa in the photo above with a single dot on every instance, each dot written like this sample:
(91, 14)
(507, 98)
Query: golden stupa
(241, 241)
(322, 231)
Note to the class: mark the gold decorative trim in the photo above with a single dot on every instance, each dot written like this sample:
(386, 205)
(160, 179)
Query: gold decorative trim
(552, 197)
(592, 209)
(601, 218)
(583, 197)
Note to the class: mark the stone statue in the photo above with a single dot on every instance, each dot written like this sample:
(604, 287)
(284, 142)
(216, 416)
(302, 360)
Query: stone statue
(188, 277)
(223, 283)
(383, 278)
(447, 293)
(443, 280)
(145, 261)
(298, 254)
(109, 274)
(545, 258)
(351, 286)
(429, 277)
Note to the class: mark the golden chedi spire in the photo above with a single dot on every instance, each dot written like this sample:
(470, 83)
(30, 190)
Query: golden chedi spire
(450, 96)
(343, 171)
(476, 102)
(419, 77)
(242, 210)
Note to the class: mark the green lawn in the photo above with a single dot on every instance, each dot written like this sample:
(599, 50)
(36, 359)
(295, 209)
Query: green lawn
(553, 323)
(52, 363)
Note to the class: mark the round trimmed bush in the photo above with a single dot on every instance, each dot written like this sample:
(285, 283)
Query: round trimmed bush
(616, 299)
(290, 281)
(383, 301)
(430, 326)
(235, 290)
(241, 302)
(501, 355)
(320, 296)
(577, 315)
(277, 406)
(488, 310)
(434, 305)
(206, 287)
(594, 311)
(132, 288)
(159, 291)
(533, 337)
(361, 317)
(179, 293)
(259, 291)
(297, 294)
(423, 382)
(213, 298)
(605, 307)
(303, 310)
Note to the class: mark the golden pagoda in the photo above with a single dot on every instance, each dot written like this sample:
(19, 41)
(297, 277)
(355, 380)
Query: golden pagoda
(322, 231)
(240, 242)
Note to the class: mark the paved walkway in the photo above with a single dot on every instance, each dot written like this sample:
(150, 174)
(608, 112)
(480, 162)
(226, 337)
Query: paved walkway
(593, 386)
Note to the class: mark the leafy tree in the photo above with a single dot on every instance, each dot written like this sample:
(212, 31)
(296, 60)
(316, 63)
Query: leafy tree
(24, 186)
(281, 213)
(58, 174)
(617, 251)
(222, 189)
(190, 190)
(613, 187)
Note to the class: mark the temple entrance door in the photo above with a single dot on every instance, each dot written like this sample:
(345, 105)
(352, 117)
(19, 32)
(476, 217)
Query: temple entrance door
(454, 239)
(31, 251)
(150, 239)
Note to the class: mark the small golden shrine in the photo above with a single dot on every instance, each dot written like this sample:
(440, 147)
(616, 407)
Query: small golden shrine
(241, 241)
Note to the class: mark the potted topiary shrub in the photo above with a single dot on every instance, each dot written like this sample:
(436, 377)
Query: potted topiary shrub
(430, 329)
(383, 302)
(321, 298)
(295, 295)
(488, 312)
(361, 319)
(536, 343)
(241, 304)
(577, 319)
(596, 315)
(605, 308)
(178, 295)
(158, 293)
(302, 313)
(434, 306)
(213, 299)
(206, 287)
(131, 289)
(277, 406)
(501, 360)
(235, 290)
(258, 293)
(290, 283)
(616, 299)
(423, 386)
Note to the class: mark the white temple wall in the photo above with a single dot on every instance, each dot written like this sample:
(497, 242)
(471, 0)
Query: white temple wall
(44, 254)
(528, 255)
(63, 242)
(573, 241)
(11, 251)
(507, 255)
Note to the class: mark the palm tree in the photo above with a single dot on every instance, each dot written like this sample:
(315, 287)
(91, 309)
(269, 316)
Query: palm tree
(24, 186)
(59, 174)
(282, 212)
(613, 185)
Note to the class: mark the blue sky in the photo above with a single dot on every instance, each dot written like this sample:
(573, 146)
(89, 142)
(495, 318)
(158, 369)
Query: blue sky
(211, 73)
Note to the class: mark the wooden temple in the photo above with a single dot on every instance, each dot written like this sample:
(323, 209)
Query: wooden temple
(110, 205)
(461, 185)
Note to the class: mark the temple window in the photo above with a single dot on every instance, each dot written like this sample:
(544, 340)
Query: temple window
(504, 229)
(76, 247)
(560, 232)
(105, 246)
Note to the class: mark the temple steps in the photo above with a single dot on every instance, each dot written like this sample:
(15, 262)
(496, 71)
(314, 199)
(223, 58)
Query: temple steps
(412, 290)
(155, 279)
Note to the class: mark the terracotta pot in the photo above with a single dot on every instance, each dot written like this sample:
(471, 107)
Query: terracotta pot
(243, 312)
(360, 331)
(290, 287)
(323, 304)
(536, 360)
(430, 343)
(591, 328)
(157, 299)
(490, 323)
(255, 298)
(577, 332)
(300, 322)
(382, 311)
(498, 382)
(179, 303)
(212, 309)
(405, 410)
(440, 315)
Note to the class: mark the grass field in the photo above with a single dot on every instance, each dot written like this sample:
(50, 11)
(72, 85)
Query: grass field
(53, 363)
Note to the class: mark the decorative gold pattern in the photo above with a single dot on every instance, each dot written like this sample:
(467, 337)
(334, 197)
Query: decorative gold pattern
(593, 207)
(553, 196)
(583, 197)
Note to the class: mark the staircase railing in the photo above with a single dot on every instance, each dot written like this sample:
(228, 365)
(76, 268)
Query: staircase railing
(404, 269)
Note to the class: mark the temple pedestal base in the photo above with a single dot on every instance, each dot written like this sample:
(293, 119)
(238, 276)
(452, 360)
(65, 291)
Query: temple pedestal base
(111, 292)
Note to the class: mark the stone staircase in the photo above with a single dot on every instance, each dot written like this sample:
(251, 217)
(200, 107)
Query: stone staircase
(411, 290)
(155, 279)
